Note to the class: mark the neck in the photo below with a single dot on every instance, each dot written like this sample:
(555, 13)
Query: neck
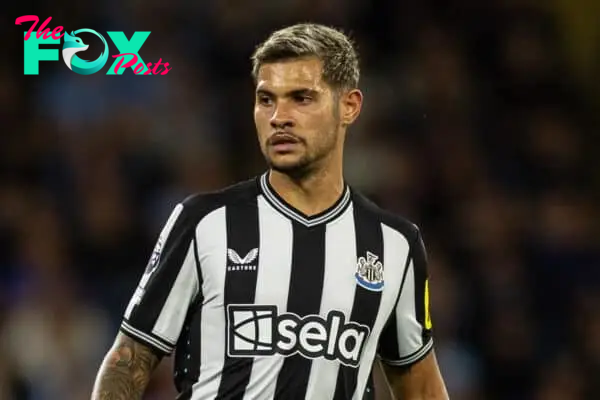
(312, 194)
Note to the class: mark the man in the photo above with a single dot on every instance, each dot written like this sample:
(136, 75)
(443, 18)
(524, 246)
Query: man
(289, 285)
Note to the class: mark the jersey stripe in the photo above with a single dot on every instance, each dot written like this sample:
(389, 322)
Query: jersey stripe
(396, 251)
(272, 285)
(169, 323)
(304, 298)
(243, 242)
(420, 270)
(166, 323)
(338, 294)
(171, 279)
(369, 247)
(211, 235)
(187, 355)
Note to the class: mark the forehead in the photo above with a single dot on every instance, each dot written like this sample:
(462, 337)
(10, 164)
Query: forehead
(290, 74)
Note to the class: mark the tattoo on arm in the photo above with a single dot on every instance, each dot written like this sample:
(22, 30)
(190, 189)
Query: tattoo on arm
(126, 371)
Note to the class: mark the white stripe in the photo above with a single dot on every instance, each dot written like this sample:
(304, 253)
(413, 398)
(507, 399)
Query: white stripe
(339, 287)
(211, 235)
(408, 329)
(395, 253)
(184, 289)
(294, 215)
(272, 286)
(164, 233)
(145, 337)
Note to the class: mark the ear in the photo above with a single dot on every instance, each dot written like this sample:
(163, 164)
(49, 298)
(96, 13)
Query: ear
(350, 106)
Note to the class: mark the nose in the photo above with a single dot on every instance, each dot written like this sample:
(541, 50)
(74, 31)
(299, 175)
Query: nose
(281, 118)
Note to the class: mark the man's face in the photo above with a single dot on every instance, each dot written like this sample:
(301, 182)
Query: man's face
(296, 115)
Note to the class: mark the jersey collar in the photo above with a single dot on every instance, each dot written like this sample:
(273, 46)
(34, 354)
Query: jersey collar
(289, 211)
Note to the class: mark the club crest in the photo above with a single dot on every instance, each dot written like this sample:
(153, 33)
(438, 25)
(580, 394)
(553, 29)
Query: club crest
(369, 273)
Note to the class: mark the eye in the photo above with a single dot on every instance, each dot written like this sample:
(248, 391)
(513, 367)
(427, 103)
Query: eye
(303, 99)
(264, 100)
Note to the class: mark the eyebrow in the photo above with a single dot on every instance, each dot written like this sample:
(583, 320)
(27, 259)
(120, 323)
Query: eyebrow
(291, 93)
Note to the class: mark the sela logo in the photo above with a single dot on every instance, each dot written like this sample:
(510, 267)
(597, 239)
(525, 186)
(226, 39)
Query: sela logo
(242, 264)
(369, 273)
(128, 50)
(258, 330)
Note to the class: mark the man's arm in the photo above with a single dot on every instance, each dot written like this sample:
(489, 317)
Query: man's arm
(167, 289)
(406, 343)
(382, 387)
(419, 381)
(125, 371)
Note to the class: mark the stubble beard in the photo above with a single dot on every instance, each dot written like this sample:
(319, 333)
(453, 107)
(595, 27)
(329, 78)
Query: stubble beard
(308, 163)
(298, 170)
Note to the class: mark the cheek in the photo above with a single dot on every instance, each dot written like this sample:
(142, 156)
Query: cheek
(321, 122)
(261, 120)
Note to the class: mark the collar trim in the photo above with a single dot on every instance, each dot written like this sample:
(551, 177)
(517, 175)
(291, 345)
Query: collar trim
(282, 206)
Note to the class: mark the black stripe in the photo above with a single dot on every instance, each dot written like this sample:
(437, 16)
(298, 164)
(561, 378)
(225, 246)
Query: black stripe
(240, 288)
(369, 239)
(304, 298)
(370, 389)
(187, 354)
(188, 350)
(388, 340)
(420, 274)
(144, 316)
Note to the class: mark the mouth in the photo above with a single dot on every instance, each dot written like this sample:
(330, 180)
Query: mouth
(283, 142)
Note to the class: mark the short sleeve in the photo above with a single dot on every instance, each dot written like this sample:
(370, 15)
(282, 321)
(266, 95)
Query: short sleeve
(407, 336)
(158, 308)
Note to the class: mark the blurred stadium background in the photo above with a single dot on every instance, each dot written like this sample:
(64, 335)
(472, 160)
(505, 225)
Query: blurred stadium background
(480, 124)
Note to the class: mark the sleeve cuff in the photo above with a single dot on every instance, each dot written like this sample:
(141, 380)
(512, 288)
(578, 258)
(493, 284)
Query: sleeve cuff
(411, 358)
(154, 342)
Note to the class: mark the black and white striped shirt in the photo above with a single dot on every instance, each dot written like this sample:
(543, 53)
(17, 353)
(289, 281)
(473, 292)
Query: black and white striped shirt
(260, 301)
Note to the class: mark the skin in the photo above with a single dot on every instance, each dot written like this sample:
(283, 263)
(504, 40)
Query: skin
(125, 371)
(292, 99)
(383, 391)
(420, 381)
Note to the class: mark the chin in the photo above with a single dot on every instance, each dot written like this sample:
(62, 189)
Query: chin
(296, 167)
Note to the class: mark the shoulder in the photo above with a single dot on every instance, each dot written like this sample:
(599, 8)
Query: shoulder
(396, 222)
(198, 205)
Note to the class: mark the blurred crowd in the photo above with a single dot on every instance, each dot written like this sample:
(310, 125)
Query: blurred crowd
(479, 124)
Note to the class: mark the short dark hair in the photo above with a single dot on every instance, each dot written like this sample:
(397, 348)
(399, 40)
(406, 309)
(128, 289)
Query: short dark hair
(335, 49)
